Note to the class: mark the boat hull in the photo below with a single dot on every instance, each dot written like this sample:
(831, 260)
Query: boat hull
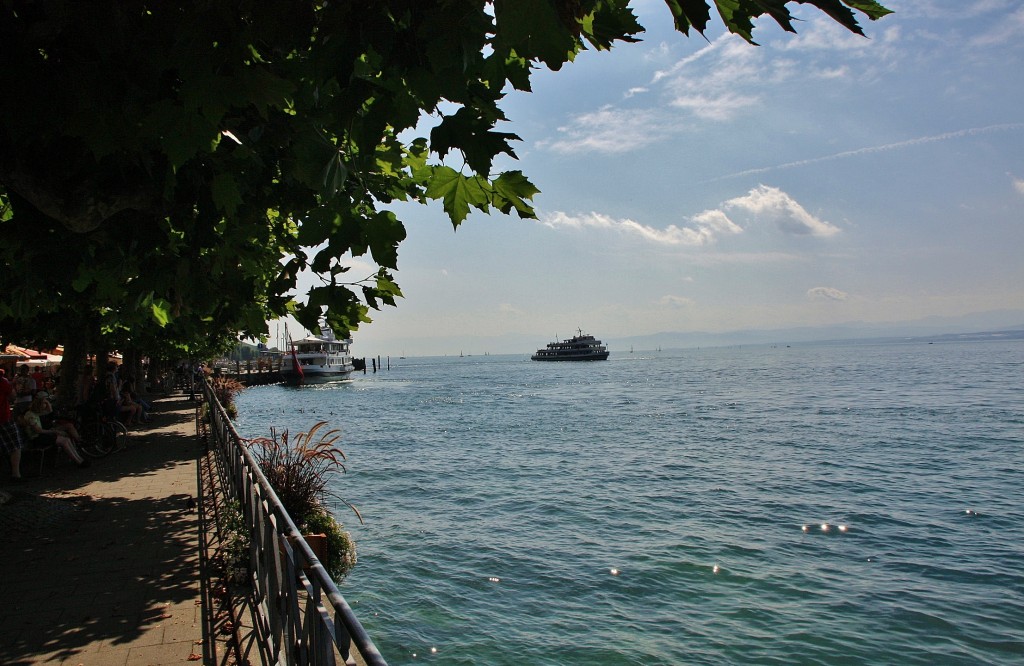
(592, 357)
(314, 377)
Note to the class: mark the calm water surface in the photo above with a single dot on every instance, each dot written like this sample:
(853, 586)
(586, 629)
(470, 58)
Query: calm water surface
(651, 509)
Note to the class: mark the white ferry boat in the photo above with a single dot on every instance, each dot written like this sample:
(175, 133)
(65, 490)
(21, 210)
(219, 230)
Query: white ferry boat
(582, 347)
(318, 358)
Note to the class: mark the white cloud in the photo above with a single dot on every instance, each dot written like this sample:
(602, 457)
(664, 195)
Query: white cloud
(721, 106)
(776, 206)
(508, 308)
(834, 73)
(716, 223)
(827, 293)
(1006, 30)
(705, 52)
(938, 10)
(1018, 184)
(720, 83)
(704, 229)
(607, 130)
(659, 52)
(713, 91)
(825, 35)
(675, 301)
(763, 203)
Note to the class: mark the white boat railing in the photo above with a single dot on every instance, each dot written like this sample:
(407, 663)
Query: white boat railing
(298, 611)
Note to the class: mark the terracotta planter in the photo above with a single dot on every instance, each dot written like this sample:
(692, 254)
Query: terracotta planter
(317, 543)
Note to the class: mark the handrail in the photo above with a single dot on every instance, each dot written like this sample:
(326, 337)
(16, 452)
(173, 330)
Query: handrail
(298, 610)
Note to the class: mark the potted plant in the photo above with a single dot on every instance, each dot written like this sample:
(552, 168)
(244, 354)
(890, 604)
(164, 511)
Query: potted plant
(300, 472)
(226, 388)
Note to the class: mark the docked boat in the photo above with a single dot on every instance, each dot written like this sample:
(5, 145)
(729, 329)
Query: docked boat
(318, 358)
(582, 347)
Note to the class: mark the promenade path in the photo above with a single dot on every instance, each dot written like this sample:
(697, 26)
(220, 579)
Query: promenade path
(107, 565)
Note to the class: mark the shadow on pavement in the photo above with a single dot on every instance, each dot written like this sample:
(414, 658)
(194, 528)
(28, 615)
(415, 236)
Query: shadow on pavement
(107, 558)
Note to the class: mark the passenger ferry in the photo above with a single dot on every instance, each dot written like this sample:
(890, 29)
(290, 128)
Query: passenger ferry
(318, 358)
(582, 347)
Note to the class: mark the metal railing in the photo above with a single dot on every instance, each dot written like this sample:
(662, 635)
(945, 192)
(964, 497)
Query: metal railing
(297, 609)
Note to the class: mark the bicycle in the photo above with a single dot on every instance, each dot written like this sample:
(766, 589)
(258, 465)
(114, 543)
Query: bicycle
(102, 436)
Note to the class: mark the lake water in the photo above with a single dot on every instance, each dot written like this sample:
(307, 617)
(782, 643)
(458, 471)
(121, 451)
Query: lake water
(666, 507)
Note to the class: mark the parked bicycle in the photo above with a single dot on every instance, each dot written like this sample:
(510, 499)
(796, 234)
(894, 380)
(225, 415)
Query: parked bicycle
(102, 436)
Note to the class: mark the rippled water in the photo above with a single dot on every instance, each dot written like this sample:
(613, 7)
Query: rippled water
(650, 509)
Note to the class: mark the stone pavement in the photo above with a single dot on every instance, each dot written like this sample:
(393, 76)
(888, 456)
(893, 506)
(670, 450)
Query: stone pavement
(106, 565)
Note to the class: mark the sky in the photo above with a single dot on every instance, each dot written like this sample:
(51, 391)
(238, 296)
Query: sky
(692, 184)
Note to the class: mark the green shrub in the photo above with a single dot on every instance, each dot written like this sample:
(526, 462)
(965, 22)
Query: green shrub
(234, 538)
(341, 549)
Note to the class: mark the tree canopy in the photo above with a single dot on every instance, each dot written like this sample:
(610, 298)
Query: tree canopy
(168, 168)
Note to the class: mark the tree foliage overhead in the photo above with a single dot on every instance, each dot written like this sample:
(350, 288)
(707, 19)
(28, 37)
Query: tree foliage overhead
(168, 168)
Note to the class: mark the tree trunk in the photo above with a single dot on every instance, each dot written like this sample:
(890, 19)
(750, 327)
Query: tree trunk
(75, 352)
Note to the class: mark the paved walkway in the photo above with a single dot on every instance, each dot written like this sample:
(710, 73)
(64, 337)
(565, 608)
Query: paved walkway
(104, 566)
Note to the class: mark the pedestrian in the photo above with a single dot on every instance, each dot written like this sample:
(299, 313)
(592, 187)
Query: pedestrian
(10, 435)
(25, 388)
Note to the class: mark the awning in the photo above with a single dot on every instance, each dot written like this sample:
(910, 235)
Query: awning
(32, 357)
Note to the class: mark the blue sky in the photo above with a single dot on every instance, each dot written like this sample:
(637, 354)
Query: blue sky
(692, 184)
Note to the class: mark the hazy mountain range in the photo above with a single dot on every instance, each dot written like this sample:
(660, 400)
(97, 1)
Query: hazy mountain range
(1001, 323)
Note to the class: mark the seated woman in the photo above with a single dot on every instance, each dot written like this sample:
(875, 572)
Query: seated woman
(49, 420)
(128, 386)
(38, 436)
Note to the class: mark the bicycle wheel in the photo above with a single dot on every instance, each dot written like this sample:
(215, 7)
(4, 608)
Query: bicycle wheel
(116, 434)
(95, 441)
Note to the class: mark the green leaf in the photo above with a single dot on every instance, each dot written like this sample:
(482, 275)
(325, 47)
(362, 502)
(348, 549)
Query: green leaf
(334, 175)
(383, 232)
(612, 21)
(314, 156)
(511, 190)
(737, 19)
(738, 15)
(226, 195)
(458, 192)
(690, 12)
(471, 134)
(870, 8)
(182, 132)
(533, 29)
(161, 312)
(82, 280)
(841, 13)
(267, 90)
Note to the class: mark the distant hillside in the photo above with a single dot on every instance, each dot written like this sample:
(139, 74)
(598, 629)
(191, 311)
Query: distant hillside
(1008, 324)
(1003, 323)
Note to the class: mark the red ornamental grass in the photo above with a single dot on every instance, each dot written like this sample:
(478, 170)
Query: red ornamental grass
(300, 471)
(226, 389)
